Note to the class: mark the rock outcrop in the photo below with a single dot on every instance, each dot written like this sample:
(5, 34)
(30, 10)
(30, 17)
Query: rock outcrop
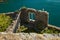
(28, 36)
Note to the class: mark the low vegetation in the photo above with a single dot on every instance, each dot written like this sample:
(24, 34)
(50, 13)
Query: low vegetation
(21, 28)
(5, 21)
(46, 30)
(51, 30)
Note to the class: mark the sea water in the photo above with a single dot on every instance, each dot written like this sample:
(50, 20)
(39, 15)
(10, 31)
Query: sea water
(52, 6)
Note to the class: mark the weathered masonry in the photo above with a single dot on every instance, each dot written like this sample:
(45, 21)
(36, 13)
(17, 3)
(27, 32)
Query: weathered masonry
(34, 18)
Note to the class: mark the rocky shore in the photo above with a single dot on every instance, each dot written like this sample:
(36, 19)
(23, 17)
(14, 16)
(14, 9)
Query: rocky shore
(28, 36)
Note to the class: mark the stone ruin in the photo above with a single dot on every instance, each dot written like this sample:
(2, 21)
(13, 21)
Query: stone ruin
(41, 18)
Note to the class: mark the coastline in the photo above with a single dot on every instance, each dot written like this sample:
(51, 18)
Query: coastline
(28, 36)
(49, 25)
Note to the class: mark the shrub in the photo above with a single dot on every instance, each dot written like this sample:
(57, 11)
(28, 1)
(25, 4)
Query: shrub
(5, 21)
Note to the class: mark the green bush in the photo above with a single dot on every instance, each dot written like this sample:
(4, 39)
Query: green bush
(5, 21)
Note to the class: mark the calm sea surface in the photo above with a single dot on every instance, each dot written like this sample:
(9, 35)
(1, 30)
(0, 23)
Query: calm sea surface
(53, 7)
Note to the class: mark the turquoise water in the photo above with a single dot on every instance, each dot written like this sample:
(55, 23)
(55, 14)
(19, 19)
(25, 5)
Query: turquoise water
(53, 7)
(32, 16)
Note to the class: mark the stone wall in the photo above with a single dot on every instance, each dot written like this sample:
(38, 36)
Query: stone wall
(28, 36)
(15, 23)
(41, 17)
(55, 27)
